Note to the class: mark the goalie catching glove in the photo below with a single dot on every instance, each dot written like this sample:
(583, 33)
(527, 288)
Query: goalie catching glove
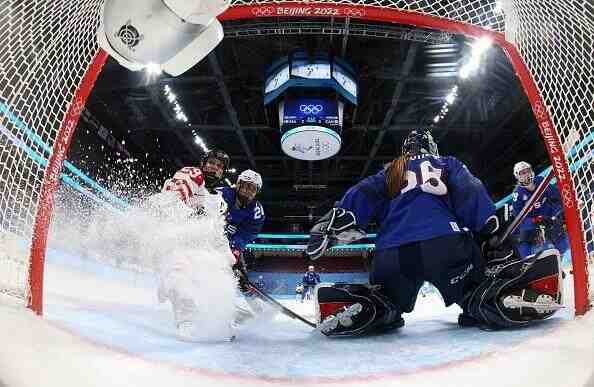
(337, 226)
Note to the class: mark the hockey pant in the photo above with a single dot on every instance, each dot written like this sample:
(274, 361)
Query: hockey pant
(452, 263)
(175, 285)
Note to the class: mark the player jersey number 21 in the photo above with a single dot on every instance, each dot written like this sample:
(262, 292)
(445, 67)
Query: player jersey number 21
(427, 177)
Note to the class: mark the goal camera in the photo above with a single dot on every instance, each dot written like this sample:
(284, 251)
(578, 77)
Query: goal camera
(172, 34)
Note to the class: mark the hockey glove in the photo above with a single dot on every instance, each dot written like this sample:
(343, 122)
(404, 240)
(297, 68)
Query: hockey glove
(240, 272)
(188, 183)
(494, 250)
(337, 226)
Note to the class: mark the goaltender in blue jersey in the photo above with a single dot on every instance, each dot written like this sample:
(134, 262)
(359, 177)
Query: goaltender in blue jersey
(431, 212)
(441, 197)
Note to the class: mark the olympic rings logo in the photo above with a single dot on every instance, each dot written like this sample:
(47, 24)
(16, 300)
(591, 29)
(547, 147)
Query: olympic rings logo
(311, 109)
(77, 107)
(539, 111)
(262, 11)
(567, 196)
(355, 12)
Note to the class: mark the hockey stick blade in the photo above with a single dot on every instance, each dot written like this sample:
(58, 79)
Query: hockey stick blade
(271, 301)
(283, 309)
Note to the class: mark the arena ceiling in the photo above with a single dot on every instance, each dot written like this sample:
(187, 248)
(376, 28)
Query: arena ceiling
(405, 75)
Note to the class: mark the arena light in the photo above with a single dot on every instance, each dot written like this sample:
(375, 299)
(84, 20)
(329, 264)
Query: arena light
(200, 142)
(153, 69)
(479, 48)
(451, 97)
(172, 98)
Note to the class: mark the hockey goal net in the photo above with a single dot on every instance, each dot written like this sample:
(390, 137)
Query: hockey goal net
(49, 62)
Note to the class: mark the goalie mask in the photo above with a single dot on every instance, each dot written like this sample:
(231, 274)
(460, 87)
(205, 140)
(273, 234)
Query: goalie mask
(524, 173)
(214, 165)
(419, 142)
(249, 183)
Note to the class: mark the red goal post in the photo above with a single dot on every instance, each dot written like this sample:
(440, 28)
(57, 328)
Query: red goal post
(50, 61)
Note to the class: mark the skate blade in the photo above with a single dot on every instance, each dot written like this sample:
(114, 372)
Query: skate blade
(204, 340)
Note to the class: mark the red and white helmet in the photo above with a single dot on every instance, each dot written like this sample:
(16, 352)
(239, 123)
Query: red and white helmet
(250, 176)
(523, 173)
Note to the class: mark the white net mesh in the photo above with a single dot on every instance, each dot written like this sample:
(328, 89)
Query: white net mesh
(556, 41)
(47, 47)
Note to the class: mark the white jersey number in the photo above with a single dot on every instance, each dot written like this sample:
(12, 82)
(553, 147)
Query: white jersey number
(258, 212)
(430, 180)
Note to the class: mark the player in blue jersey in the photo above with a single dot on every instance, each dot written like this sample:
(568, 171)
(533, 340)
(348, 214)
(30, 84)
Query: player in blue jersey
(310, 280)
(245, 214)
(431, 212)
(244, 220)
(545, 223)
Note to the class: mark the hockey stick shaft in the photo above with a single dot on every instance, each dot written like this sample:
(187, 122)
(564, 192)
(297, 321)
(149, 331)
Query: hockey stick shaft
(528, 206)
(268, 299)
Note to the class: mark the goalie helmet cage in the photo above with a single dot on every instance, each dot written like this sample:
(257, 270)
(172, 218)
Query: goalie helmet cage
(50, 60)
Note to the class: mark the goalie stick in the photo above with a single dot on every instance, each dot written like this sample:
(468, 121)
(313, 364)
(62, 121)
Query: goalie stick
(538, 192)
(271, 301)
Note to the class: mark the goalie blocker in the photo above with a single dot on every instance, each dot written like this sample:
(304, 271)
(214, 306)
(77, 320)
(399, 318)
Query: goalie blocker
(513, 294)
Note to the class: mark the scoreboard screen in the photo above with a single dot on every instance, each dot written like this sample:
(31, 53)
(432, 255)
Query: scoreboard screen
(311, 111)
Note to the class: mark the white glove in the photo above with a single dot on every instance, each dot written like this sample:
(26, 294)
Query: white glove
(188, 183)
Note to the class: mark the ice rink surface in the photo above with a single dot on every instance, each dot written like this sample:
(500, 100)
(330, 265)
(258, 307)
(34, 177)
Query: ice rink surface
(104, 327)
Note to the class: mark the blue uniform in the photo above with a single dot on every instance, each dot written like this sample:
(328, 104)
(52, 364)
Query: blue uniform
(310, 280)
(248, 221)
(423, 231)
(442, 197)
(548, 206)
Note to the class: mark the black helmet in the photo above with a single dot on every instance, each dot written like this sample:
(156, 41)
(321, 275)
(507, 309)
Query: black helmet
(419, 142)
(212, 180)
(218, 154)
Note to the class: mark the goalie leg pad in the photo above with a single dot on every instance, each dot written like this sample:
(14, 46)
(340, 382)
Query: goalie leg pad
(516, 293)
(354, 310)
